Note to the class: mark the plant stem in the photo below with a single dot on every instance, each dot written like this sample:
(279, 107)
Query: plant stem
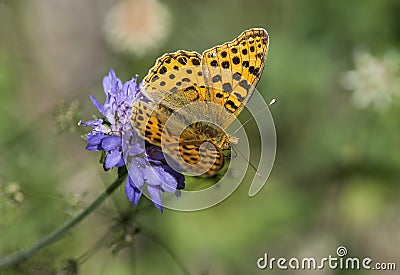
(18, 257)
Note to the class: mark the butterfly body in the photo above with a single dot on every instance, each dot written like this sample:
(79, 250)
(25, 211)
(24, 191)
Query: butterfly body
(194, 98)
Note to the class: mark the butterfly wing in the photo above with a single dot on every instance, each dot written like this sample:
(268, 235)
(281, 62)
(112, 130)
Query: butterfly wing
(233, 69)
(176, 80)
(149, 121)
(191, 156)
(195, 157)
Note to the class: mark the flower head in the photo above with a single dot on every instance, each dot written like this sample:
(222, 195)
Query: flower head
(114, 135)
(374, 81)
(137, 26)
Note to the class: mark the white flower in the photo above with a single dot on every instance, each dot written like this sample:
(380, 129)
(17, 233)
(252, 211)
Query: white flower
(374, 81)
(137, 26)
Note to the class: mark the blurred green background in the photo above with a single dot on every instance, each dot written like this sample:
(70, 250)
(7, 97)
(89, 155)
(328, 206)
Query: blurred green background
(334, 69)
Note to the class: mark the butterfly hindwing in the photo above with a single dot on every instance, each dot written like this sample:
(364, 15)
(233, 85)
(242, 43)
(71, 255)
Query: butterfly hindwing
(196, 157)
(149, 121)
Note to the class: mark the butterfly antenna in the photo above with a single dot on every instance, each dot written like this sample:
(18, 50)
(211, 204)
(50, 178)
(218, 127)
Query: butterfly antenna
(251, 164)
(250, 119)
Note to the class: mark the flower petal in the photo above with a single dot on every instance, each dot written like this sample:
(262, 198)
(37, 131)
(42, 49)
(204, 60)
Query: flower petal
(113, 159)
(94, 141)
(97, 104)
(111, 142)
(108, 80)
(95, 137)
(180, 179)
(155, 153)
(134, 150)
(168, 181)
(151, 175)
(155, 194)
(93, 147)
(132, 192)
(135, 173)
(91, 123)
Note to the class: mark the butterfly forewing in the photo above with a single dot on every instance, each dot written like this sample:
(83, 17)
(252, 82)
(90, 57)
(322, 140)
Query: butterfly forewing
(174, 78)
(234, 69)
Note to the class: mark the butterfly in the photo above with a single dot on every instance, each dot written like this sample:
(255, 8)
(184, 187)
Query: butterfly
(193, 98)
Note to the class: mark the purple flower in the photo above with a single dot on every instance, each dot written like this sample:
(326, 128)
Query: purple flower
(114, 135)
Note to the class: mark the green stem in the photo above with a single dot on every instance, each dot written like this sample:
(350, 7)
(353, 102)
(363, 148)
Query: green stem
(18, 257)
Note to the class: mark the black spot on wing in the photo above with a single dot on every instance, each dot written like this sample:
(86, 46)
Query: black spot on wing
(230, 106)
(239, 97)
(182, 60)
(195, 61)
(251, 69)
(237, 76)
(244, 84)
(163, 70)
(216, 78)
(225, 64)
(256, 71)
(227, 87)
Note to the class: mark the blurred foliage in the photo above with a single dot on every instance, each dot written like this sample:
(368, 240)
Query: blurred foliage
(336, 176)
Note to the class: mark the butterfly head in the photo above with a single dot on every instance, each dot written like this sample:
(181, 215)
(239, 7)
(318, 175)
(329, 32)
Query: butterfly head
(226, 142)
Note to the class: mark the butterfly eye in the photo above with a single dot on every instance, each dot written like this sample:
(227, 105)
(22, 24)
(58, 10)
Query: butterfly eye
(226, 145)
